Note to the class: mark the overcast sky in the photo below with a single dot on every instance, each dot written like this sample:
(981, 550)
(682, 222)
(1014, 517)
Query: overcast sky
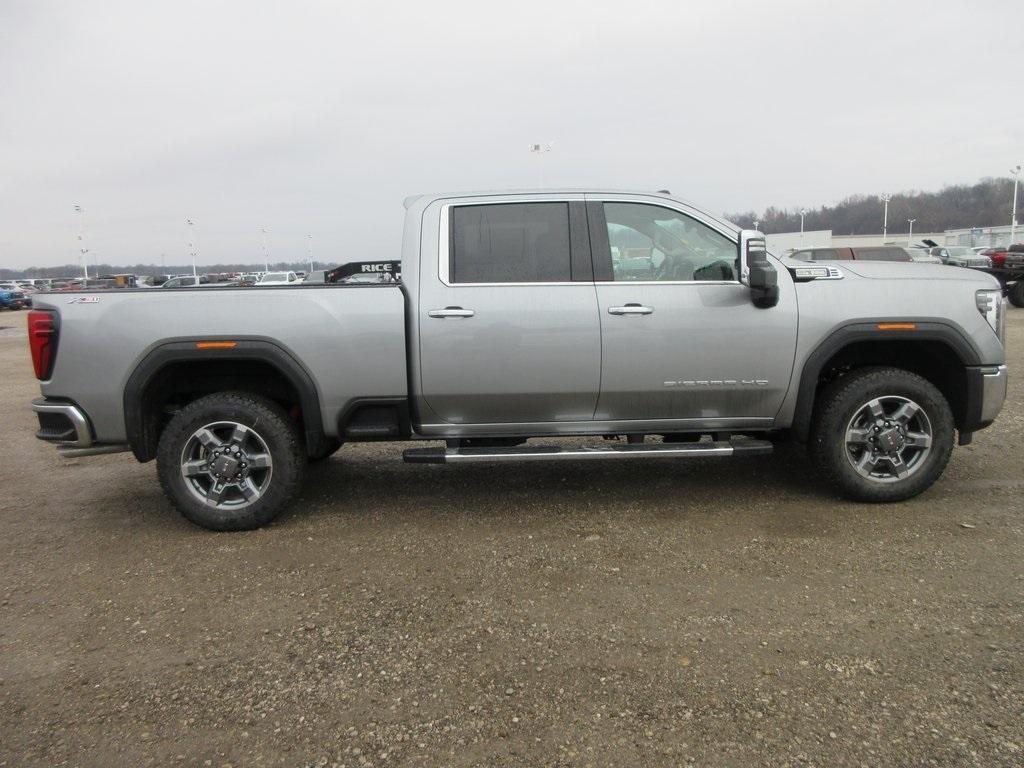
(320, 117)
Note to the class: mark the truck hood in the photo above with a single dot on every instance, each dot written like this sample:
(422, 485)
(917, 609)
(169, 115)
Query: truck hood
(901, 270)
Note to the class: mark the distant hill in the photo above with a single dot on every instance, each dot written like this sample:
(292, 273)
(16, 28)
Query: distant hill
(984, 204)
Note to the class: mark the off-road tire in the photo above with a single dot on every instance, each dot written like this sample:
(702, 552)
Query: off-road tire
(278, 432)
(836, 406)
(1016, 294)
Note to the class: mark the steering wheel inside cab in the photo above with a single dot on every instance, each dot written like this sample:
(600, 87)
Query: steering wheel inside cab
(675, 265)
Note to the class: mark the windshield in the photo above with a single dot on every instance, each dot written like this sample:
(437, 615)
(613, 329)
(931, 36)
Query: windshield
(275, 276)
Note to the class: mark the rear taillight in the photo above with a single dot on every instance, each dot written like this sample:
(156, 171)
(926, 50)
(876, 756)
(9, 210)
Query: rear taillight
(42, 341)
(998, 259)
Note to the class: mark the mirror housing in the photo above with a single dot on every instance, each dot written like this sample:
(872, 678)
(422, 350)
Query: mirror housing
(756, 271)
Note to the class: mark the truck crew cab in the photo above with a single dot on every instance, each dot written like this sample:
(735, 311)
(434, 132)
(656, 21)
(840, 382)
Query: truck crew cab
(520, 315)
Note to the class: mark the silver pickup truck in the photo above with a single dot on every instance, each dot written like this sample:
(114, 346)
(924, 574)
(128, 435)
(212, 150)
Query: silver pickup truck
(631, 316)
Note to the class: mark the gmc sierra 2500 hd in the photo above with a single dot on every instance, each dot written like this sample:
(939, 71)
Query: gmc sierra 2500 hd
(522, 315)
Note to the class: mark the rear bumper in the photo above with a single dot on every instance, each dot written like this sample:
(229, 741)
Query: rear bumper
(986, 392)
(66, 425)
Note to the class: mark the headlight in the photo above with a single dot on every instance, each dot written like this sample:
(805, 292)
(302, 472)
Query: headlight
(993, 308)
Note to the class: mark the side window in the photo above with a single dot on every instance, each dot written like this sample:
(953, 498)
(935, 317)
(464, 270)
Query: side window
(649, 242)
(509, 243)
(802, 255)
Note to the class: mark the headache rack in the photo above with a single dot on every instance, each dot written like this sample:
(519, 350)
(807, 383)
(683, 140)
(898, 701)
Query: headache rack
(365, 272)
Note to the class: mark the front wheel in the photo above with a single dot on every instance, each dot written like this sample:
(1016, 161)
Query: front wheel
(881, 434)
(230, 461)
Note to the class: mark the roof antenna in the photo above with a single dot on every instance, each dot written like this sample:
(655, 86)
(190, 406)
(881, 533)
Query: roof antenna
(664, 192)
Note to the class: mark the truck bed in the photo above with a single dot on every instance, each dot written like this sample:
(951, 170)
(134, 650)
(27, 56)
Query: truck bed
(349, 338)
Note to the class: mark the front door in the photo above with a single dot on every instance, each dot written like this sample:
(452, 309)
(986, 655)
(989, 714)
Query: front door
(680, 337)
(508, 320)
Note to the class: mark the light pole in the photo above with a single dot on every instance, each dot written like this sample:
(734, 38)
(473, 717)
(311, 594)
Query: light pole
(910, 234)
(266, 253)
(310, 241)
(82, 250)
(885, 214)
(540, 150)
(757, 225)
(1013, 211)
(191, 245)
(802, 212)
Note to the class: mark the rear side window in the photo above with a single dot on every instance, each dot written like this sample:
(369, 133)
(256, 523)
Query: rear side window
(510, 243)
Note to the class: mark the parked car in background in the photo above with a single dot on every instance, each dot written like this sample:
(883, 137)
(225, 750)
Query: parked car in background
(996, 255)
(279, 278)
(14, 299)
(867, 253)
(960, 256)
(921, 255)
(39, 283)
(183, 281)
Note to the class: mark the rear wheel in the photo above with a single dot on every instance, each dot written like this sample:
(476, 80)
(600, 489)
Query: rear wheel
(230, 461)
(881, 434)
(1016, 294)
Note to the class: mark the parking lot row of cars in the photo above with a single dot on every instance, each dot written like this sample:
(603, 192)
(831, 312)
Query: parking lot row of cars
(954, 255)
(21, 290)
(1005, 263)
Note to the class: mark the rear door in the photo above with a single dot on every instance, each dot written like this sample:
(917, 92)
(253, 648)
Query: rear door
(507, 313)
(681, 339)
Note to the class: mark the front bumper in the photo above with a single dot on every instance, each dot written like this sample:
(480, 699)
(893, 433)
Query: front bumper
(993, 392)
(986, 392)
(66, 425)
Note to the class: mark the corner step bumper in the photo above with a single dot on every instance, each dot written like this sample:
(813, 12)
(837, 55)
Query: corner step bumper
(586, 453)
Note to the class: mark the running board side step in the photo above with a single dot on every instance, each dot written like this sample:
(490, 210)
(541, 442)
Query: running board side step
(556, 453)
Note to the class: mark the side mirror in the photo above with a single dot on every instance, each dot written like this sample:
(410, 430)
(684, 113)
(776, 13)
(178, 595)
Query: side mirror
(756, 271)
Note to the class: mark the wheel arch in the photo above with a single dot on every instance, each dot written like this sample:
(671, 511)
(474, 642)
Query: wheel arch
(251, 365)
(933, 349)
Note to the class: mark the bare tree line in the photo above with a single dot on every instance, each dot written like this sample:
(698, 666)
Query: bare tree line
(984, 204)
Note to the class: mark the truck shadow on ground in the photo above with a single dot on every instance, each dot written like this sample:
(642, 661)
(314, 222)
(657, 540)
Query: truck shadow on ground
(356, 484)
(362, 483)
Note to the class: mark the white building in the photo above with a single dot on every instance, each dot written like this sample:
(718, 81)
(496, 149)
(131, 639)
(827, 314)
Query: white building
(785, 242)
(794, 241)
(989, 236)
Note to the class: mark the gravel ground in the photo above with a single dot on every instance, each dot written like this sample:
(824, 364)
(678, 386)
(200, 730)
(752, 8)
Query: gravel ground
(657, 613)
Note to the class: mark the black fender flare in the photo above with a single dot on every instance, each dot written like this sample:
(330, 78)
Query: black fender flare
(143, 444)
(925, 329)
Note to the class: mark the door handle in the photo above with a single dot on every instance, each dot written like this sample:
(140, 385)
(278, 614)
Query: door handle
(450, 312)
(630, 309)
